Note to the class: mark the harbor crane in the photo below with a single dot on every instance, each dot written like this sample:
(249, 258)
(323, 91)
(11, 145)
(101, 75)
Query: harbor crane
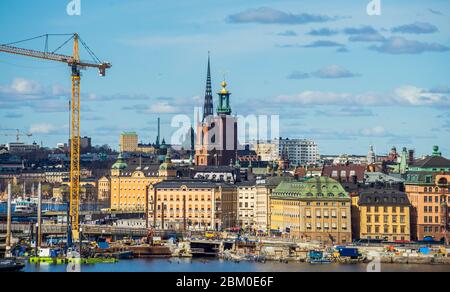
(76, 65)
(18, 134)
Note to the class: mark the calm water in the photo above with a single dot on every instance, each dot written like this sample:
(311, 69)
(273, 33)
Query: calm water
(217, 265)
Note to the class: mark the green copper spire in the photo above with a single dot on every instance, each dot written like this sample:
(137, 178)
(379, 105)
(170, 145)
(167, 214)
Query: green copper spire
(224, 100)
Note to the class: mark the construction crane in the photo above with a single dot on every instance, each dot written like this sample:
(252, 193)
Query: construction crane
(18, 134)
(76, 65)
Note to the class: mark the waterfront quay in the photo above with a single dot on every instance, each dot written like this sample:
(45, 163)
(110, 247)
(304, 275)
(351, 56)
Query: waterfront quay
(208, 265)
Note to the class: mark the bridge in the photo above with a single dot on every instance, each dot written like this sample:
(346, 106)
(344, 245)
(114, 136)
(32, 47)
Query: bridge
(61, 229)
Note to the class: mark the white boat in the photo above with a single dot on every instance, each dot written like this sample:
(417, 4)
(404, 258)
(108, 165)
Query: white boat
(25, 206)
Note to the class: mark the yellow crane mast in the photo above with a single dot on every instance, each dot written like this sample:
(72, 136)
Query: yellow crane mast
(76, 65)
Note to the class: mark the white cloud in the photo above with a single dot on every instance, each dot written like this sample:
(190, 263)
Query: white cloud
(373, 131)
(334, 71)
(405, 96)
(162, 107)
(42, 128)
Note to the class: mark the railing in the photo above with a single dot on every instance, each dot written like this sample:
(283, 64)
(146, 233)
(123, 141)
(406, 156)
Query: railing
(87, 229)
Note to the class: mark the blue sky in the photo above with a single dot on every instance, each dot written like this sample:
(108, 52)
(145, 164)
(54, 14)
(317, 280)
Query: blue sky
(332, 73)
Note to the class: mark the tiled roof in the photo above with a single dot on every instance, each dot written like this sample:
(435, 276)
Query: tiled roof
(432, 162)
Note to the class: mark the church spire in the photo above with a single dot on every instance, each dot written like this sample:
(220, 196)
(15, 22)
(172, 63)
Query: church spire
(208, 106)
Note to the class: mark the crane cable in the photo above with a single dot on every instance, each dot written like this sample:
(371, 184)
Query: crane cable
(90, 52)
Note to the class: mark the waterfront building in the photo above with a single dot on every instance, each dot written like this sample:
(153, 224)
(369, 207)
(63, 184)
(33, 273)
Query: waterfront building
(384, 214)
(192, 205)
(264, 189)
(216, 141)
(247, 204)
(427, 186)
(128, 142)
(129, 184)
(317, 209)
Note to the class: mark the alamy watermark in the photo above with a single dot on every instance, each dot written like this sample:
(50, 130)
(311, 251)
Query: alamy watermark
(374, 8)
(374, 264)
(74, 8)
(221, 132)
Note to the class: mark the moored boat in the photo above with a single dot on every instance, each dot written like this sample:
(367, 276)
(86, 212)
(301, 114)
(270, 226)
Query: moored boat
(11, 265)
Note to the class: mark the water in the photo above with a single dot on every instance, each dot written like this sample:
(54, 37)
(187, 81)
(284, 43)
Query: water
(218, 265)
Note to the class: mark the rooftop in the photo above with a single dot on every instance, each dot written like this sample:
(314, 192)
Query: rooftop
(383, 197)
(319, 188)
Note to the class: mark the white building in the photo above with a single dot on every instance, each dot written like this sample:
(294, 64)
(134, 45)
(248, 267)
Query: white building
(298, 151)
(20, 147)
(247, 205)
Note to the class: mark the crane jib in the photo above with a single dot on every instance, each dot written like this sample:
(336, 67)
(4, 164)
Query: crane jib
(53, 57)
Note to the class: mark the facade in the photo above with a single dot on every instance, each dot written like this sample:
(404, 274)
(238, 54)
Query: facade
(129, 185)
(264, 190)
(318, 209)
(298, 151)
(104, 189)
(427, 186)
(267, 151)
(20, 147)
(58, 175)
(247, 205)
(192, 205)
(384, 214)
(128, 142)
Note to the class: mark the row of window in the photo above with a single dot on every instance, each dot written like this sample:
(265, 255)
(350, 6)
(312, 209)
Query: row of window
(429, 199)
(385, 209)
(385, 229)
(376, 218)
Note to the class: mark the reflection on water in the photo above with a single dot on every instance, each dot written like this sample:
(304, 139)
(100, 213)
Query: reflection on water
(217, 265)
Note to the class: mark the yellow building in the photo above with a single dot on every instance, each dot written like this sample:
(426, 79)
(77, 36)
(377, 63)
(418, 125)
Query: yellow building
(384, 215)
(192, 205)
(317, 209)
(128, 142)
(129, 183)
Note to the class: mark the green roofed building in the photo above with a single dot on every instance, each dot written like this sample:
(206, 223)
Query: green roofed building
(317, 209)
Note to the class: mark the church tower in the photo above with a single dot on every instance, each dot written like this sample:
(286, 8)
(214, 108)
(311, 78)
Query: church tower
(216, 143)
(208, 105)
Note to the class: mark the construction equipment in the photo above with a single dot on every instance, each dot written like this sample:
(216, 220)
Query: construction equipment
(76, 65)
(18, 134)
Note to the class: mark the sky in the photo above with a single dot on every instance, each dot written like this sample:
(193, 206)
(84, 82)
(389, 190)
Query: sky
(330, 71)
